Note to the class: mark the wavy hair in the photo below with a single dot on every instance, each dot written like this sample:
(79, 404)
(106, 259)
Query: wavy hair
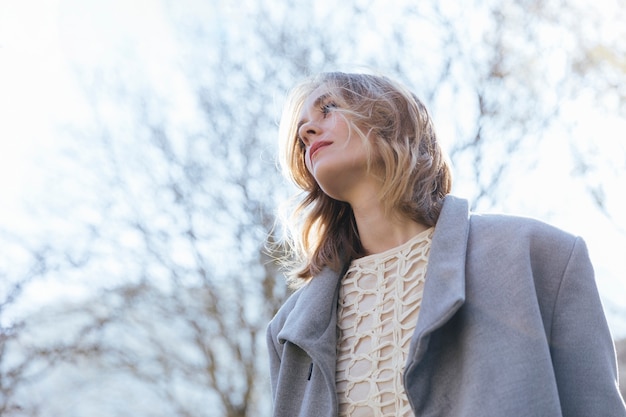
(403, 150)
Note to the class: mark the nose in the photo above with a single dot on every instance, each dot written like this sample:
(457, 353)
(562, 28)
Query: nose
(308, 130)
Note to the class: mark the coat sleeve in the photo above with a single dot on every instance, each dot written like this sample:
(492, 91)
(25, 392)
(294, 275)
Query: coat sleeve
(583, 353)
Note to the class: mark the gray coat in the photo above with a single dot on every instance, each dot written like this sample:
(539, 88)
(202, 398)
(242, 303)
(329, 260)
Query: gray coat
(510, 325)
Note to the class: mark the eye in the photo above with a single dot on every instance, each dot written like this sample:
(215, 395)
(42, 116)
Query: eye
(325, 108)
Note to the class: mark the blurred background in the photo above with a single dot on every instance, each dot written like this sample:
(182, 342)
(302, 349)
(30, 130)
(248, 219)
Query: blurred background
(139, 187)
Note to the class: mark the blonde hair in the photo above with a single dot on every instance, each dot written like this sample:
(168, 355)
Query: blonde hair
(398, 131)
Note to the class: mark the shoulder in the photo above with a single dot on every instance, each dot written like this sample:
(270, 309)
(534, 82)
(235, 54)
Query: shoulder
(308, 312)
(490, 239)
(522, 240)
(516, 229)
(278, 321)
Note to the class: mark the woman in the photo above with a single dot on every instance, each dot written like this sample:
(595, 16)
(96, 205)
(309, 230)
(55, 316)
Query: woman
(408, 304)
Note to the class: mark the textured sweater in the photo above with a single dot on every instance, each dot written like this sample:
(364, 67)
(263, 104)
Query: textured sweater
(378, 306)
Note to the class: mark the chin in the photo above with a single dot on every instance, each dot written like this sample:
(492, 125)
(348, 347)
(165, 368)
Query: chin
(337, 190)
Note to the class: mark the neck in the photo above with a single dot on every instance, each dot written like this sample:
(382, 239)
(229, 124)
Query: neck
(380, 231)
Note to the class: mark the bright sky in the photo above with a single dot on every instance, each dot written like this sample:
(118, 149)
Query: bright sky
(39, 92)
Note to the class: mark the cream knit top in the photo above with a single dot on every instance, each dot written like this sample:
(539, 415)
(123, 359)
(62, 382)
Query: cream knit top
(379, 301)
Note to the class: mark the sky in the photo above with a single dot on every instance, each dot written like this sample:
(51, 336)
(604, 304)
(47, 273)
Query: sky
(40, 93)
(37, 94)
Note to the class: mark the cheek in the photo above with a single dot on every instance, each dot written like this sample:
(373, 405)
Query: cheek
(310, 173)
(307, 163)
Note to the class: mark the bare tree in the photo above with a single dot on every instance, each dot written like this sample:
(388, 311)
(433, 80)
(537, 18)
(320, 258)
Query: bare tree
(19, 369)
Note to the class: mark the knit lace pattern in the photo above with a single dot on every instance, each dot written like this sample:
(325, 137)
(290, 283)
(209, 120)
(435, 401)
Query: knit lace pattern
(379, 302)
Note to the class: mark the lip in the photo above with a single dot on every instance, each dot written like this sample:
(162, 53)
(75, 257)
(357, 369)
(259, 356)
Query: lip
(317, 146)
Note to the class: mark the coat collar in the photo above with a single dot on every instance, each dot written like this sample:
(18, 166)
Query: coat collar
(312, 322)
(444, 289)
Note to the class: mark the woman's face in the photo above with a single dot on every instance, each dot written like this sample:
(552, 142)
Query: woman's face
(334, 154)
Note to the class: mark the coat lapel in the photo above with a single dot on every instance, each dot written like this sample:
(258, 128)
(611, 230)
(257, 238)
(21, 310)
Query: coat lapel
(444, 290)
(312, 324)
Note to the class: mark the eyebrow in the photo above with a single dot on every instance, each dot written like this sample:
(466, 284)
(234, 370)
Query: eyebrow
(317, 103)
